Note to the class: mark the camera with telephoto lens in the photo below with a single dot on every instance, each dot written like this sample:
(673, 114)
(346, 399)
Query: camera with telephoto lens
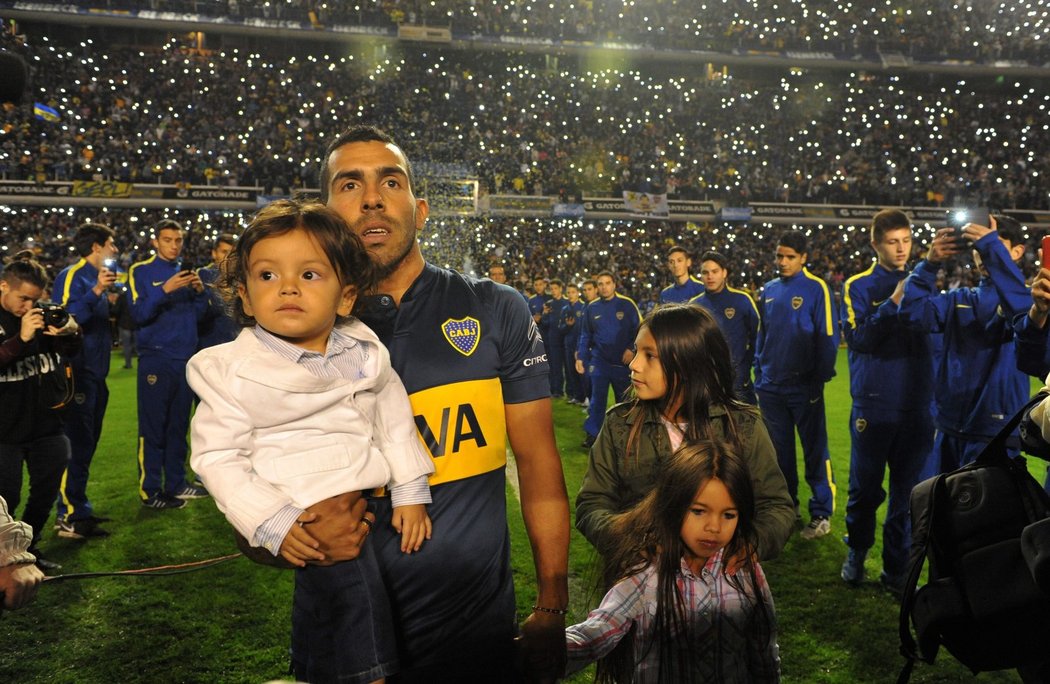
(54, 314)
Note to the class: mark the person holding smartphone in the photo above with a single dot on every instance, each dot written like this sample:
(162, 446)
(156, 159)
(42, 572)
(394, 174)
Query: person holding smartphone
(168, 301)
(81, 289)
(977, 385)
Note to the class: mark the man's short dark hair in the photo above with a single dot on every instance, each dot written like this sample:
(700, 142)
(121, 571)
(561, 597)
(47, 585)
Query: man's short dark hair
(678, 249)
(24, 268)
(356, 134)
(556, 281)
(166, 224)
(716, 257)
(225, 239)
(604, 273)
(794, 239)
(886, 220)
(1009, 229)
(90, 234)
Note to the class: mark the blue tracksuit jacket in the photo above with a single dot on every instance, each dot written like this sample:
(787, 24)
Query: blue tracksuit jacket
(979, 386)
(167, 322)
(571, 333)
(609, 328)
(890, 364)
(681, 293)
(738, 317)
(799, 338)
(73, 290)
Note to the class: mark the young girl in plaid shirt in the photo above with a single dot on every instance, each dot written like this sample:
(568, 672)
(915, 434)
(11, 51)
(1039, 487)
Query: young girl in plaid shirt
(689, 601)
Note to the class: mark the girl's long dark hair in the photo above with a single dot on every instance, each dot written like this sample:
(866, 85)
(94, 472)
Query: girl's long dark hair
(650, 535)
(696, 361)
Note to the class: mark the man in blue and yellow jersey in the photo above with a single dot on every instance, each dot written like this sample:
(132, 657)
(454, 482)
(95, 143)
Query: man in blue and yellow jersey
(794, 359)
(683, 285)
(737, 316)
(471, 358)
(167, 303)
(610, 324)
(891, 383)
(82, 289)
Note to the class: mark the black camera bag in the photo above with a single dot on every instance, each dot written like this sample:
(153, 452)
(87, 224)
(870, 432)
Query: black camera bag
(981, 600)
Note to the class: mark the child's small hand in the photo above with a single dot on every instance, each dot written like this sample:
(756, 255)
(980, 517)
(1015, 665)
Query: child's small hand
(298, 546)
(414, 525)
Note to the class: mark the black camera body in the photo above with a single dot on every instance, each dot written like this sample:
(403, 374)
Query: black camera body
(54, 314)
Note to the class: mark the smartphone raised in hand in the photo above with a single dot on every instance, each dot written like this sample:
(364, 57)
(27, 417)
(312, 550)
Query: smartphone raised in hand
(958, 218)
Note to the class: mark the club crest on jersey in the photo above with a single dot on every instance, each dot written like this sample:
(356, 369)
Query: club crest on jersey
(796, 302)
(151, 379)
(463, 334)
(619, 315)
(861, 424)
(729, 312)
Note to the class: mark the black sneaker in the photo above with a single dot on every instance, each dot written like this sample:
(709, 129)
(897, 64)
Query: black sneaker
(42, 563)
(162, 501)
(79, 529)
(189, 491)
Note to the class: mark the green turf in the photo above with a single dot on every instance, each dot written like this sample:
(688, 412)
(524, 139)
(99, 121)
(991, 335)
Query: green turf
(231, 623)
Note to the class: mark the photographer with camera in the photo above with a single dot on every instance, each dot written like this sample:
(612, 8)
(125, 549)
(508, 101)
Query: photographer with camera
(977, 384)
(82, 289)
(31, 340)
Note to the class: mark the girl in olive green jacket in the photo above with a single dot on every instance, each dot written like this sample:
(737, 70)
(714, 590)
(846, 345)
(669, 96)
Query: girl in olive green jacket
(682, 378)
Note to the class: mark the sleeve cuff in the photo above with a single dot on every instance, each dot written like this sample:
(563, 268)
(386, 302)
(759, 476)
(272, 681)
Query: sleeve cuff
(416, 491)
(271, 533)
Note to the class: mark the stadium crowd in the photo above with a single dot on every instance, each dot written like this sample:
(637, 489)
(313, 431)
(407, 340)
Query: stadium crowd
(925, 29)
(520, 128)
(572, 250)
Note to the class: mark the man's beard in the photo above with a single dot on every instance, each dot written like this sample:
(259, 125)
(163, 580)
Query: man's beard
(384, 271)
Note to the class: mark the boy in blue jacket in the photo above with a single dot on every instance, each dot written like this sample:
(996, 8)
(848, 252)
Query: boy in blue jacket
(82, 288)
(795, 357)
(167, 303)
(980, 386)
(891, 384)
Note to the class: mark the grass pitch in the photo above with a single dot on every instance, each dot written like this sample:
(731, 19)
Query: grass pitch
(231, 623)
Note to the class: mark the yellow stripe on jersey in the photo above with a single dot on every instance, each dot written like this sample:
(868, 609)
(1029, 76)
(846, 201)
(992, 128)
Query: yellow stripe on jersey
(827, 302)
(636, 309)
(851, 315)
(69, 281)
(750, 299)
(131, 277)
(464, 428)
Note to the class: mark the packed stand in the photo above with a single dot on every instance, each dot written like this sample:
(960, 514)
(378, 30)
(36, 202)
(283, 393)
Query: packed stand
(125, 115)
(924, 29)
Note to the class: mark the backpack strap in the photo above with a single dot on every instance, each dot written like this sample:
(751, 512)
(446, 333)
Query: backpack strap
(995, 450)
(920, 542)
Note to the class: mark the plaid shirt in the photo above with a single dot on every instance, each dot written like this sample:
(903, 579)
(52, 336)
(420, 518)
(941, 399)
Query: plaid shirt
(726, 652)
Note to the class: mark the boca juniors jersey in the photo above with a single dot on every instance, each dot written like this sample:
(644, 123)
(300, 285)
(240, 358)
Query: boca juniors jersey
(463, 347)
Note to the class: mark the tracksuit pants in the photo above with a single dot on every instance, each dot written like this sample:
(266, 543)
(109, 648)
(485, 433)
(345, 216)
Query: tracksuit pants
(881, 438)
(164, 403)
(82, 423)
(801, 408)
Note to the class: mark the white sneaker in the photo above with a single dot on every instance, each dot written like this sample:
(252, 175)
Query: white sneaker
(817, 527)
